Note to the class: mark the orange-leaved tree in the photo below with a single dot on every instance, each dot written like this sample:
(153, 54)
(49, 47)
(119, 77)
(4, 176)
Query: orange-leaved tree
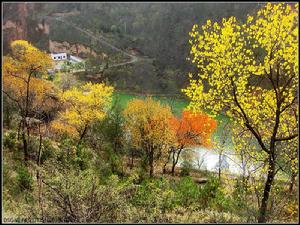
(192, 129)
(147, 123)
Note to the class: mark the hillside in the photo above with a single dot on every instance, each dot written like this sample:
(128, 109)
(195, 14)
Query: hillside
(158, 31)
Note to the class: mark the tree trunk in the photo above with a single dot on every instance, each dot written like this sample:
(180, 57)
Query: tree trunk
(41, 202)
(19, 128)
(24, 140)
(131, 164)
(39, 176)
(173, 169)
(270, 178)
(220, 164)
(8, 116)
(292, 182)
(25, 147)
(39, 153)
(151, 163)
(175, 161)
(82, 135)
(24, 122)
(165, 165)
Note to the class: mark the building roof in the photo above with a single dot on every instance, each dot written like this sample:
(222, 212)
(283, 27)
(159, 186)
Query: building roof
(58, 53)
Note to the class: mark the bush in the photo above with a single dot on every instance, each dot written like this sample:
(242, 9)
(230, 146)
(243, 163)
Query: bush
(9, 140)
(187, 192)
(239, 193)
(115, 162)
(67, 152)
(24, 178)
(91, 200)
(83, 157)
(48, 150)
(209, 190)
(154, 194)
(102, 169)
(185, 168)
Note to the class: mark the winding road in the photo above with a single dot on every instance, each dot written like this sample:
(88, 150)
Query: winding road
(104, 41)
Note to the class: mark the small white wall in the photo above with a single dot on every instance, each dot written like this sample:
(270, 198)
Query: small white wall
(59, 56)
(75, 59)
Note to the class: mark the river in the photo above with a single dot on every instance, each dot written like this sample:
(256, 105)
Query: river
(209, 159)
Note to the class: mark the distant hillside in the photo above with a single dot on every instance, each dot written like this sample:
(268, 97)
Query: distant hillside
(157, 30)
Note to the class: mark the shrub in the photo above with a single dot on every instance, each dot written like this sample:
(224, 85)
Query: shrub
(102, 169)
(239, 193)
(209, 190)
(9, 140)
(91, 200)
(154, 194)
(48, 150)
(185, 168)
(187, 192)
(83, 157)
(24, 178)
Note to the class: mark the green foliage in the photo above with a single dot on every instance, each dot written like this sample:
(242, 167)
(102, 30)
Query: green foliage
(111, 128)
(185, 168)
(210, 188)
(188, 192)
(239, 193)
(83, 157)
(67, 152)
(9, 140)
(113, 161)
(102, 168)
(69, 155)
(91, 200)
(108, 135)
(48, 151)
(24, 178)
(202, 196)
(153, 194)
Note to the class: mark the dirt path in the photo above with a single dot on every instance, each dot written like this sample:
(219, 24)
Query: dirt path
(101, 39)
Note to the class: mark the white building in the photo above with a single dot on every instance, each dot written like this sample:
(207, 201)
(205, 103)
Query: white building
(63, 60)
(59, 56)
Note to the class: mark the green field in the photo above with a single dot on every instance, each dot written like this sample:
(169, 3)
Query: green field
(177, 105)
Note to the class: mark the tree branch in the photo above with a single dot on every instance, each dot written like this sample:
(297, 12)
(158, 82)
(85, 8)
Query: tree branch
(247, 124)
(287, 138)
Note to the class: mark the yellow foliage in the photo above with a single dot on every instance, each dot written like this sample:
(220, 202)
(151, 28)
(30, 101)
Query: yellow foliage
(85, 105)
(22, 77)
(58, 127)
(230, 56)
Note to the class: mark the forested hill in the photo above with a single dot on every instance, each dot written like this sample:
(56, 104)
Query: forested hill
(160, 30)
(157, 30)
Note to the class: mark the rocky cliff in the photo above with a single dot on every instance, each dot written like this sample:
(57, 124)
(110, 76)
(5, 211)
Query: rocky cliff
(17, 24)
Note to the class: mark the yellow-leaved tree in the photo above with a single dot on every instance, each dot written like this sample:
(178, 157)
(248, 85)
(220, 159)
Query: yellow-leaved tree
(249, 71)
(148, 124)
(23, 84)
(84, 106)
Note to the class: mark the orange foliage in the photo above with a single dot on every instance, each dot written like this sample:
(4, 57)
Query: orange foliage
(193, 129)
(60, 128)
